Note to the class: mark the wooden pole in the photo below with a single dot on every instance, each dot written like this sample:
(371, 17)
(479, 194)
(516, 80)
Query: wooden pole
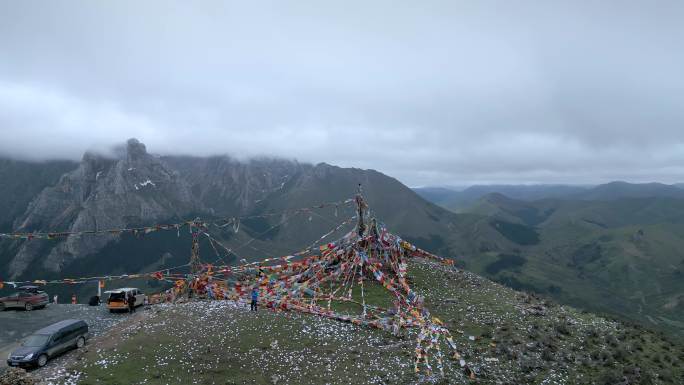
(195, 264)
(361, 206)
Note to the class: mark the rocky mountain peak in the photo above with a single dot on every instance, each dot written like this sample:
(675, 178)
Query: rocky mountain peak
(135, 188)
(92, 163)
(135, 150)
(103, 192)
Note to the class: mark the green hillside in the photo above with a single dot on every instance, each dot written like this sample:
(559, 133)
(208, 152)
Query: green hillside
(623, 256)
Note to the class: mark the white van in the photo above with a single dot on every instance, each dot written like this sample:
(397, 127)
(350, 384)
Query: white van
(118, 298)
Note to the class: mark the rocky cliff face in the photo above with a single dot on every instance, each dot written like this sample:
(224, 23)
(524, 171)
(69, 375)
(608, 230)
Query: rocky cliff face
(101, 193)
(135, 188)
(225, 186)
(21, 181)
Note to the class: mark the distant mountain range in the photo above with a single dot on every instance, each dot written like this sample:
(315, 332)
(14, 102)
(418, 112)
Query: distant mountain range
(460, 199)
(614, 248)
(617, 247)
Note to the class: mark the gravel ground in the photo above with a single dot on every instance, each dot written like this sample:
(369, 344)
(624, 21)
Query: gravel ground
(18, 324)
(221, 343)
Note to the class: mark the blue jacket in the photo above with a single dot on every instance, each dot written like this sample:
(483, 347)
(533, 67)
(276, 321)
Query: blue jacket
(255, 295)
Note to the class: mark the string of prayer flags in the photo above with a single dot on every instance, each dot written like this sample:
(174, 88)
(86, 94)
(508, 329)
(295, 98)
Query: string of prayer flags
(309, 283)
(235, 221)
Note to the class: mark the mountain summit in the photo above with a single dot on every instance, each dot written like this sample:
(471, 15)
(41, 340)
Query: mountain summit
(102, 193)
(135, 188)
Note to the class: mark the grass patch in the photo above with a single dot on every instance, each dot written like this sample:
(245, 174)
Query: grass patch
(520, 234)
(505, 262)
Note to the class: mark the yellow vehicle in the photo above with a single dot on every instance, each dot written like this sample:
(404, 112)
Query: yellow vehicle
(118, 298)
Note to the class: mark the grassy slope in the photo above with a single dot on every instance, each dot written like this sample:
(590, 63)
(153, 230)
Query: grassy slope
(217, 343)
(624, 257)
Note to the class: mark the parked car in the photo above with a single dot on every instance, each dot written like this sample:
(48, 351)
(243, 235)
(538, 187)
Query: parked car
(118, 299)
(28, 297)
(49, 342)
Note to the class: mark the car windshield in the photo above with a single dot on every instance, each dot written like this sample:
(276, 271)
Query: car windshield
(117, 296)
(36, 340)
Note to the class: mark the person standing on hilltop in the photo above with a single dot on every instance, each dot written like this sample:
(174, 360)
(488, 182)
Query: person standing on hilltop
(131, 302)
(255, 298)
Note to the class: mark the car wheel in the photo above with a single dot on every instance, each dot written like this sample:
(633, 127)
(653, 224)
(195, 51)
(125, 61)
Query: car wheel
(2, 306)
(80, 342)
(42, 360)
(28, 306)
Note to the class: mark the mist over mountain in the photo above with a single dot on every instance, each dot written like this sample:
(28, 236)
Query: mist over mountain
(546, 137)
(457, 200)
(618, 190)
(460, 199)
(612, 248)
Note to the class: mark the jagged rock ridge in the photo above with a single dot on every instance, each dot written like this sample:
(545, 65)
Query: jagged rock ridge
(136, 188)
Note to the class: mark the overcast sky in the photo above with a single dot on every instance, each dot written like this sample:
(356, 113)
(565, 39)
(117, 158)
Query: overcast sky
(432, 93)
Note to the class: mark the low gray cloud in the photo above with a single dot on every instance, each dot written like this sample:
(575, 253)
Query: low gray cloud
(431, 92)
